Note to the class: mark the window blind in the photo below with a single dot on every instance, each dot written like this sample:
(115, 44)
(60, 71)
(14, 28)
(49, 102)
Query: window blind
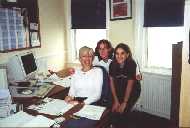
(163, 13)
(88, 14)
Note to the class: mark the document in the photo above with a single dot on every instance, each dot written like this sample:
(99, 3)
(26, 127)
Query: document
(65, 82)
(91, 112)
(22, 119)
(53, 107)
(39, 121)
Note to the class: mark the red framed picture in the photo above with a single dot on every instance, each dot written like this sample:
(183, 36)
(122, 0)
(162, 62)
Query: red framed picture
(120, 9)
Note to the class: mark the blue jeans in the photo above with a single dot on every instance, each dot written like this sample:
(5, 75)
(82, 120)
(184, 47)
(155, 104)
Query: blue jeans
(79, 123)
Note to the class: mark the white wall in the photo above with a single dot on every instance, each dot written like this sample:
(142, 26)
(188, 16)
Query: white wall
(52, 35)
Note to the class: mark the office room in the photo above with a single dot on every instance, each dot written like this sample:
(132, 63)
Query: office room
(164, 67)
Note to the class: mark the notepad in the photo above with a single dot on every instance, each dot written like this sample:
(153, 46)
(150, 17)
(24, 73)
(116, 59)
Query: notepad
(91, 112)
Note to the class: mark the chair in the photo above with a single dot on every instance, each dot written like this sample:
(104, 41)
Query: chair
(105, 100)
(106, 96)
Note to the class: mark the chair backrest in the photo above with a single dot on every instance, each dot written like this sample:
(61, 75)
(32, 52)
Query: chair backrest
(106, 96)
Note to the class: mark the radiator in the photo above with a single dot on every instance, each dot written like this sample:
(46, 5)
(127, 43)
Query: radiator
(155, 95)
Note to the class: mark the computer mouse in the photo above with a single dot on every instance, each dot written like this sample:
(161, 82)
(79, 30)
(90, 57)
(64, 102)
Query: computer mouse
(27, 92)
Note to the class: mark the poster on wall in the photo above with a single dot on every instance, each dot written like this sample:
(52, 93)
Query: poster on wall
(19, 25)
(120, 9)
(14, 34)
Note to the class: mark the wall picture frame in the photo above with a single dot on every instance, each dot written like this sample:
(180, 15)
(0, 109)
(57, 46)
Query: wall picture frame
(120, 9)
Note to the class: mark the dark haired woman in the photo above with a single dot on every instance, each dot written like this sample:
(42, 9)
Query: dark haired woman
(103, 54)
(124, 85)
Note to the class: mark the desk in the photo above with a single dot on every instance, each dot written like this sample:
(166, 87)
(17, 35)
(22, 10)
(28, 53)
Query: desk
(59, 92)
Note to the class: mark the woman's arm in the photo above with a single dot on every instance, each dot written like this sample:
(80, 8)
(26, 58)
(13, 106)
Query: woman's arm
(128, 91)
(115, 99)
(96, 86)
(71, 93)
(113, 89)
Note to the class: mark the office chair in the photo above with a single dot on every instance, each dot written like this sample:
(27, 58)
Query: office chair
(106, 96)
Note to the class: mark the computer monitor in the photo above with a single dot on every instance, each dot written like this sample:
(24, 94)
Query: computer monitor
(21, 67)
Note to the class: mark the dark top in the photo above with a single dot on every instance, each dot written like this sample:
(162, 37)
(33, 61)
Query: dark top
(121, 75)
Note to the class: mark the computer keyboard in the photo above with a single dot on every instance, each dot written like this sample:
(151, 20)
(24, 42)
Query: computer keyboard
(43, 90)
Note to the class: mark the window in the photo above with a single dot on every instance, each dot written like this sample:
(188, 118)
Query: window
(87, 37)
(153, 48)
(83, 32)
(159, 45)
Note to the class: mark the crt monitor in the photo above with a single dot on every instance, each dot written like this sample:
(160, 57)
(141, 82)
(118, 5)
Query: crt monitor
(21, 67)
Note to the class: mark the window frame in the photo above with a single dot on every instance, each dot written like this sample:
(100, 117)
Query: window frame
(141, 45)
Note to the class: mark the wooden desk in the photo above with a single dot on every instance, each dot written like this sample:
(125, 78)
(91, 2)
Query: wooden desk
(102, 123)
(59, 92)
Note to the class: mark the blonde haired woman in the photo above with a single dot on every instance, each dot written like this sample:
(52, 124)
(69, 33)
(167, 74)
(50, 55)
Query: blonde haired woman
(86, 83)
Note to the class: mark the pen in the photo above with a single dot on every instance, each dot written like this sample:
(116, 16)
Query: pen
(74, 117)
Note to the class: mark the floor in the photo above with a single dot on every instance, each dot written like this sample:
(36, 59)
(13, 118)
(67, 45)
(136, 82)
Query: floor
(145, 120)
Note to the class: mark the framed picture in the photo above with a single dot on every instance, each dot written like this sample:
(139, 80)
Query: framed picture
(34, 39)
(120, 9)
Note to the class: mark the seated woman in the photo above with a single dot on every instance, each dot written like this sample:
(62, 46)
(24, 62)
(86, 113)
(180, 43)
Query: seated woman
(86, 83)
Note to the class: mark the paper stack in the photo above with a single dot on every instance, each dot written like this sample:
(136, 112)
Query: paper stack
(5, 103)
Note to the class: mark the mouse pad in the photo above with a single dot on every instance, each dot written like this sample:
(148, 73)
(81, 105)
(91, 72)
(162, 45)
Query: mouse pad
(25, 91)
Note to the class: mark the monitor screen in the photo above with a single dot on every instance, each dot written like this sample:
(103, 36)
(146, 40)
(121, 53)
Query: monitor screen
(29, 63)
(21, 67)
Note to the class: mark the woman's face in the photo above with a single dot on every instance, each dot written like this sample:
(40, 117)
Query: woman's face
(86, 59)
(103, 51)
(121, 55)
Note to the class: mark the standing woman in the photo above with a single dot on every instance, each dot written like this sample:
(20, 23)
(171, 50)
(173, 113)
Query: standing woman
(103, 54)
(124, 86)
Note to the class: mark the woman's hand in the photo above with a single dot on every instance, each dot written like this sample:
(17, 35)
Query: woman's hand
(139, 77)
(74, 102)
(71, 71)
(115, 106)
(122, 107)
(68, 99)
